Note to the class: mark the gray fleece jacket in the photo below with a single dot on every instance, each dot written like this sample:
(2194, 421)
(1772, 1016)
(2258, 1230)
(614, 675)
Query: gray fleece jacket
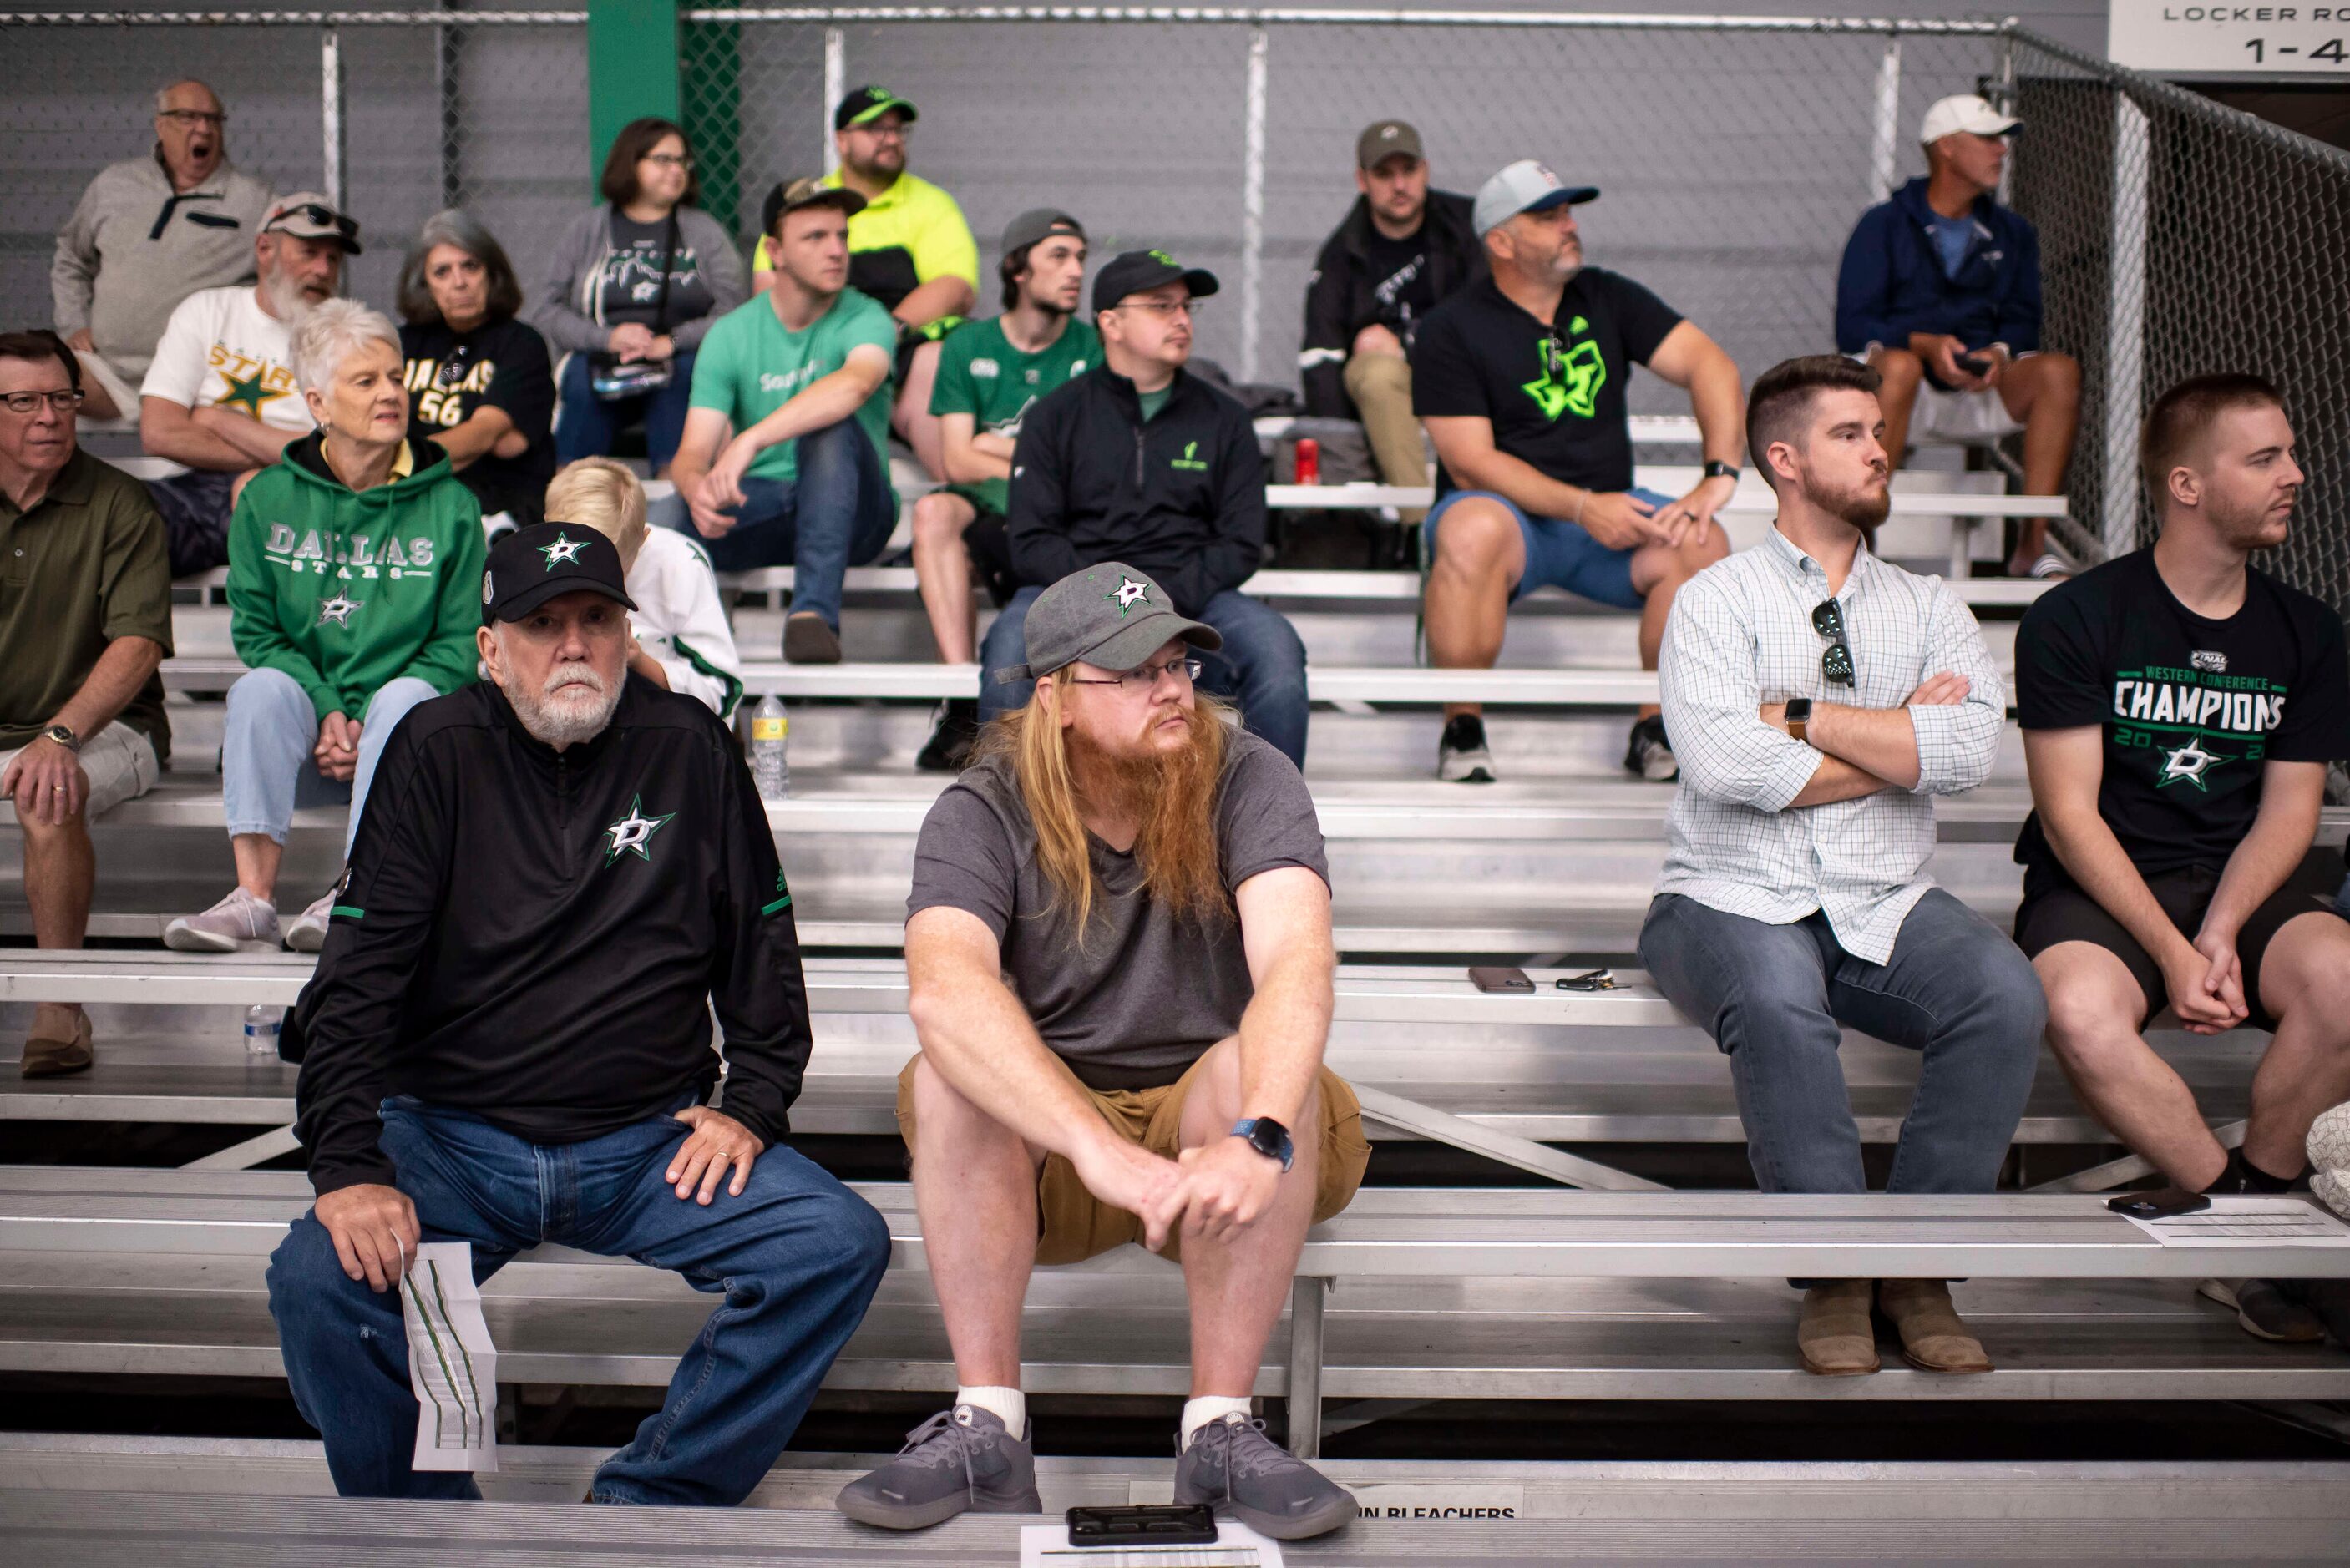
(568, 307)
(133, 250)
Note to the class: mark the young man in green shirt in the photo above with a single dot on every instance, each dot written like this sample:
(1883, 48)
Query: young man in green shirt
(989, 373)
(783, 459)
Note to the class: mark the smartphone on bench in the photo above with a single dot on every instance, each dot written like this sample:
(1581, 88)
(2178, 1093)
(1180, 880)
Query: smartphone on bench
(1144, 1525)
(2160, 1204)
(1491, 977)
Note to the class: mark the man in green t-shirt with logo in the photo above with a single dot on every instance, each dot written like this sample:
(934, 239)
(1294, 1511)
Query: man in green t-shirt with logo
(781, 460)
(990, 374)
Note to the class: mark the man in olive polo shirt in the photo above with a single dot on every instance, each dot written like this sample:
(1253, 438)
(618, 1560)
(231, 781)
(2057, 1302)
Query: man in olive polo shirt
(85, 619)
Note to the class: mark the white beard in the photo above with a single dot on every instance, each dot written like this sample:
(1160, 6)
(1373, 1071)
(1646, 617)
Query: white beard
(575, 706)
(286, 299)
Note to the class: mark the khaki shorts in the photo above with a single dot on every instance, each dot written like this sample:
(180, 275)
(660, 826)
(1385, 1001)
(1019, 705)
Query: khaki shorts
(120, 764)
(1073, 1224)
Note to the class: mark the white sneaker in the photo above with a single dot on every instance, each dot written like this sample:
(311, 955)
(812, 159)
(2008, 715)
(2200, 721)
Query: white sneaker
(235, 921)
(306, 932)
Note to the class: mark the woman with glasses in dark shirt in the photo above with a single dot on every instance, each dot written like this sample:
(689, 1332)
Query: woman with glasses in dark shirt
(479, 383)
(630, 289)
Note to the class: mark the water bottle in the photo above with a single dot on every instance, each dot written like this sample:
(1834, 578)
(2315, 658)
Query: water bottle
(769, 769)
(261, 1026)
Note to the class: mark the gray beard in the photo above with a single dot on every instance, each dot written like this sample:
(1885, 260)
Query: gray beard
(564, 723)
(285, 299)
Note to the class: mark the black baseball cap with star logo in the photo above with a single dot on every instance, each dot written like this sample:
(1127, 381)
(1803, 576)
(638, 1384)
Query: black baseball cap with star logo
(531, 566)
(1110, 615)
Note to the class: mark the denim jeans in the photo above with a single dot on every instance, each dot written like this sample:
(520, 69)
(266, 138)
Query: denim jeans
(1262, 666)
(1772, 997)
(836, 513)
(584, 424)
(796, 1258)
(265, 755)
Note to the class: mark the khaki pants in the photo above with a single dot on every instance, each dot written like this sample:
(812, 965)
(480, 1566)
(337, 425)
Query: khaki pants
(1380, 385)
(1074, 1225)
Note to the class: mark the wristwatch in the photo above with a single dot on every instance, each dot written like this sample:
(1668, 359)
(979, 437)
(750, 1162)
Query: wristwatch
(1717, 469)
(1799, 714)
(1269, 1139)
(64, 737)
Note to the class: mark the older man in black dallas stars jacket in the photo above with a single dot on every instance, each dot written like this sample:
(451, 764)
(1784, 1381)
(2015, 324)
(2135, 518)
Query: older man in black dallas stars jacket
(508, 1043)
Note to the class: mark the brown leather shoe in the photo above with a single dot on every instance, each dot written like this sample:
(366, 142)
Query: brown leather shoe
(1835, 1336)
(1934, 1338)
(47, 1056)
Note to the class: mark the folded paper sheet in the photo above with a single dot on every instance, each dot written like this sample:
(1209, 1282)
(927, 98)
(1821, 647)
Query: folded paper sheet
(452, 1364)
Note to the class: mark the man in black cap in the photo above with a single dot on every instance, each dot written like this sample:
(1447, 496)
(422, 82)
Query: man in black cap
(508, 1043)
(1138, 461)
(1403, 250)
(1117, 951)
(991, 373)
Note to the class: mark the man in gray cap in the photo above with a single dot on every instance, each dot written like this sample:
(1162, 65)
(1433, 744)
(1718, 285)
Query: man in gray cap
(990, 374)
(1403, 250)
(1520, 380)
(1120, 964)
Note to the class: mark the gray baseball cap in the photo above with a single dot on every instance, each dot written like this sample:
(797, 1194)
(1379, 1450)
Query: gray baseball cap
(1108, 615)
(1524, 186)
(1033, 225)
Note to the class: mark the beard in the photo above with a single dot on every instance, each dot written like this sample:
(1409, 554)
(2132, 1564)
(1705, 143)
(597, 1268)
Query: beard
(286, 299)
(1170, 796)
(1862, 508)
(573, 705)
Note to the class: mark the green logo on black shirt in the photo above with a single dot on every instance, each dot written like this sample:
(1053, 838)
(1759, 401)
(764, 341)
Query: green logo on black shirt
(633, 832)
(1571, 377)
(2173, 711)
(1189, 461)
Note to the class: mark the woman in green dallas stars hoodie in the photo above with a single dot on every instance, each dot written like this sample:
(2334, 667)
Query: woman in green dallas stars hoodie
(354, 591)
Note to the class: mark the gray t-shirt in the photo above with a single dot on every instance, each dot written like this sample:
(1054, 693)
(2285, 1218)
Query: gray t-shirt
(1146, 994)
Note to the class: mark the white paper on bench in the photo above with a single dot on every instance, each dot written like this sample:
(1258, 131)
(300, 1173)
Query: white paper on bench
(452, 1364)
(1237, 1546)
(2249, 1222)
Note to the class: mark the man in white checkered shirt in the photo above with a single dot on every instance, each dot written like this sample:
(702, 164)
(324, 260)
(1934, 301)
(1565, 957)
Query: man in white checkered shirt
(1817, 697)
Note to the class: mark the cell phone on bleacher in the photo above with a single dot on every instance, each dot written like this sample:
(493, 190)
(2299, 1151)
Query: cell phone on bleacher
(2160, 1204)
(1144, 1525)
(1490, 977)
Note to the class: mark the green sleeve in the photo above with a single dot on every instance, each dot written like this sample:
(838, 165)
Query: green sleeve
(872, 324)
(450, 658)
(952, 391)
(254, 627)
(714, 367)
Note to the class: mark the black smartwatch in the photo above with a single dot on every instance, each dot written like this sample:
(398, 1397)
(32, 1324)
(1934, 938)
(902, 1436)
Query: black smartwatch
(1799, 714)
(1717, 469)
(1269, 1139)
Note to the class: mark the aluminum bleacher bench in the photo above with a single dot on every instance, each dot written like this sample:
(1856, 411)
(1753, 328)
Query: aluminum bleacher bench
(1578, 1295)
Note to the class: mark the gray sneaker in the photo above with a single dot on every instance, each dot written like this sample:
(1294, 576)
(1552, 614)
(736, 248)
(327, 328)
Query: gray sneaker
(236, 921)
(1235, 1466)
(2267, 1309)
(306, 932)
(958, 1460)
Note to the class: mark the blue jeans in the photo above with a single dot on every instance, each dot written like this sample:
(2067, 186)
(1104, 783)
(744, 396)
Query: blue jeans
(1262, 666)
(267, 769)
(796, 1258)
(836, 511)
(585, 425)
(1772, 997)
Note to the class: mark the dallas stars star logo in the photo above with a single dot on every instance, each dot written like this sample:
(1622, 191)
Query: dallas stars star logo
(337, 611)
(2190, 762)
(1128, 594)
(565, 551)
(633, 832)
(247, 393)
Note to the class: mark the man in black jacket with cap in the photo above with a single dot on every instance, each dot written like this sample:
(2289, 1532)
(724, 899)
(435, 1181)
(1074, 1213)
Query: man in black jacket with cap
(1140, 462)
(507, 1043)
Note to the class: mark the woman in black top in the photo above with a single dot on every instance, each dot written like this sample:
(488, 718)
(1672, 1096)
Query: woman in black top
(478, 379)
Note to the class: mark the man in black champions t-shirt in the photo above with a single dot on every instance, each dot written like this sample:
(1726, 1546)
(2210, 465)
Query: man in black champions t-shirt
(1520, 380)
(2178, 711)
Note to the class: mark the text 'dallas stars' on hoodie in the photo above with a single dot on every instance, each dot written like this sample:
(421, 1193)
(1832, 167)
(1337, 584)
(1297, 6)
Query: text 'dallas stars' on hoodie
(344, 589)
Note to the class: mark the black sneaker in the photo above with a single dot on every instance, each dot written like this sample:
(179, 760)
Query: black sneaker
(1460, 755)
(1651, 755)
(952, 737)
(808, 639)
(2267, 1309)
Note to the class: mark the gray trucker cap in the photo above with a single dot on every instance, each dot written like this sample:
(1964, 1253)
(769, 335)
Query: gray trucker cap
(1108, 615)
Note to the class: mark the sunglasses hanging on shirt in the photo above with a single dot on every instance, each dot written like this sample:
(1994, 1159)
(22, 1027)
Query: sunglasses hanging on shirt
(1836, 661)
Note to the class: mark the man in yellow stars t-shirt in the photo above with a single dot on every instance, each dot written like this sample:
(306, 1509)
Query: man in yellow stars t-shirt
(910, 248)
(220, 397)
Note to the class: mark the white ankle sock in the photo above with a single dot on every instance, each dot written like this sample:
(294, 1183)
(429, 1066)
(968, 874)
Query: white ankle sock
(1008, 1405)
(1198, 1413)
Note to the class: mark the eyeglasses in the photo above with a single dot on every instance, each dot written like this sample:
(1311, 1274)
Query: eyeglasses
(886, 133)
(190, 118)
(1168, 308)
(64, 402)
(670, 159)
(1836, 660)
(1136, 682)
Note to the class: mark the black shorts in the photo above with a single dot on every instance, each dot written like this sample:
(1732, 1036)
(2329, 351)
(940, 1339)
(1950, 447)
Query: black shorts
(2055, 911)
(990, 548)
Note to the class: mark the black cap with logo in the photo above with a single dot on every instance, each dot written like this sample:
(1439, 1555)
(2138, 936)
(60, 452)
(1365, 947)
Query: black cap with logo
(867, 104)
(531, 566)
(1137, 270)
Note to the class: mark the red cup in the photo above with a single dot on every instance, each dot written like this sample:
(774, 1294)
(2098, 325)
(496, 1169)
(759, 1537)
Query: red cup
(1309, 461)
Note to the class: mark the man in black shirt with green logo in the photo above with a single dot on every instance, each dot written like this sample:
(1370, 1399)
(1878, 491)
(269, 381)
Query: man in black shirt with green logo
(1520, 380)
(2178, 711)
(990, 374)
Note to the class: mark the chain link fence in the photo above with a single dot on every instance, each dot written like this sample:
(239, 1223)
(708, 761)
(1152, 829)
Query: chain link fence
(1735, 154)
